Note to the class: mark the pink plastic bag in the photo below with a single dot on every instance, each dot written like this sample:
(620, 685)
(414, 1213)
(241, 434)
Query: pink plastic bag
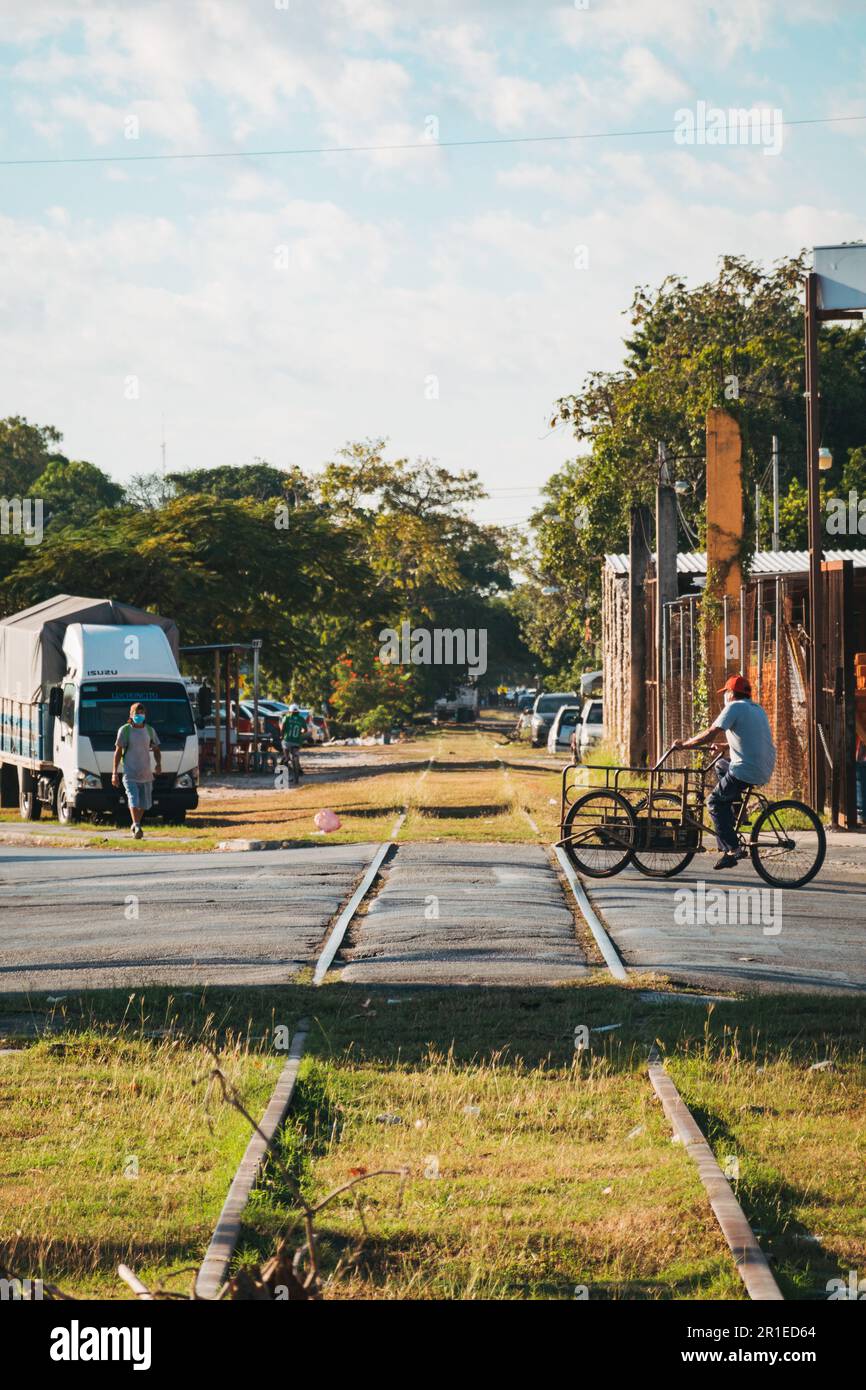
(326, 820)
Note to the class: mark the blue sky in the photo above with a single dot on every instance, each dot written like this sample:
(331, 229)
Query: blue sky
(280, 306)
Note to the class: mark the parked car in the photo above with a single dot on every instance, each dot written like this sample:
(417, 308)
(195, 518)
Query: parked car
(566, 720)
(544, 710)
(589, 731)
(525, 699)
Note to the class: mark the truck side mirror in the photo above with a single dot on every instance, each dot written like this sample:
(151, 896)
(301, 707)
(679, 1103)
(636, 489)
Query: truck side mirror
(55, 701)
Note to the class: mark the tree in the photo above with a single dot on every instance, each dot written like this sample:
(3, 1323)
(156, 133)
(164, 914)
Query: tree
(735, 342)
(25, 452)
(74, 491)
(259, 481)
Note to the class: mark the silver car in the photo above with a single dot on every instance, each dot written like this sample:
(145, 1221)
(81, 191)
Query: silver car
(544, 710)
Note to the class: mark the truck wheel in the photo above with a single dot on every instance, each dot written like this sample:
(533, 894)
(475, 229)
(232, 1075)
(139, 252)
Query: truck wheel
(66, 812)
(175, 817)
(29, 807)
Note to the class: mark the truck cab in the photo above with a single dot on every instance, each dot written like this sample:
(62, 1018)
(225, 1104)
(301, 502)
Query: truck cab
(108, 669)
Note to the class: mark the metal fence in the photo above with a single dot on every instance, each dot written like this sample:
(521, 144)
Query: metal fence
(763, 634)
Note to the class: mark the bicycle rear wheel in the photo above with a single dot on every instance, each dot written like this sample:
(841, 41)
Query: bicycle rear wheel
(599, 833)
(662, 863)
(787, 844)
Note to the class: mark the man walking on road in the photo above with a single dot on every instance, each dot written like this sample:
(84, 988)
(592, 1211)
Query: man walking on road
(292, 728)
(752, 759)
(135, 740)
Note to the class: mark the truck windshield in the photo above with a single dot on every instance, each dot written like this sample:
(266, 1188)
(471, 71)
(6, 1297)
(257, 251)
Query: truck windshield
(105, 706)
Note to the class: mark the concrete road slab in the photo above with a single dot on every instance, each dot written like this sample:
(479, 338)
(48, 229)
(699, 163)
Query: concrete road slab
(466, 914)
(83, 919)
(802, 939)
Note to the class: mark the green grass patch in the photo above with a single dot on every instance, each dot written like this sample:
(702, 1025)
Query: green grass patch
(530, 1171)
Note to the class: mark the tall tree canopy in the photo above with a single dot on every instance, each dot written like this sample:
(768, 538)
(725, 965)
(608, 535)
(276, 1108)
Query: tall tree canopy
(735, 342)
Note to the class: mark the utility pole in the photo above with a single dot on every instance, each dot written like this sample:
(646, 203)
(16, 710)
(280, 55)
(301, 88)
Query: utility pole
(816, 606)
(775, 492)
(639, 558)
(667, 585)
(163, 446)
(757, 516)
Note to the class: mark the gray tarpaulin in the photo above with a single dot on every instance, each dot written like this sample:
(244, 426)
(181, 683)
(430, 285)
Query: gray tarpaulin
(31, 642)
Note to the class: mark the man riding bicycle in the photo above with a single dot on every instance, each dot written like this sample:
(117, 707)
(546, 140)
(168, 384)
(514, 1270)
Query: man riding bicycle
(292, 727)
(752, 759)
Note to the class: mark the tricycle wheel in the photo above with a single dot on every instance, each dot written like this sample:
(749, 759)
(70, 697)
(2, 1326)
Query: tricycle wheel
(657, 863)
(598, 833)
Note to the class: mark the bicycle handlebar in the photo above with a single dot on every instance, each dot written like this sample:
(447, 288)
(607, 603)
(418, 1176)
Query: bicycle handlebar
(673, 749)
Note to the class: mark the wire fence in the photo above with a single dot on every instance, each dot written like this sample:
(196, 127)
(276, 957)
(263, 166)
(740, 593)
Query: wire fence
(763, 638)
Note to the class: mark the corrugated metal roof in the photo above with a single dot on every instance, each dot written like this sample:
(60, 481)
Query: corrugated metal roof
(763, 561)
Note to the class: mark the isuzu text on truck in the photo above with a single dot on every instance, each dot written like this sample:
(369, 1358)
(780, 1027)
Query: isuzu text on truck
(69, 670)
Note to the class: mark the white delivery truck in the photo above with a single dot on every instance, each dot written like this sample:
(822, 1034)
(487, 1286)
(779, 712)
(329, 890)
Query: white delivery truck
(460, 704)
(69, 670)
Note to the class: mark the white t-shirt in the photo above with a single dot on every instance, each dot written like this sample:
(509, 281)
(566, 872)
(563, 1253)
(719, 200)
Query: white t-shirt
(747, 727)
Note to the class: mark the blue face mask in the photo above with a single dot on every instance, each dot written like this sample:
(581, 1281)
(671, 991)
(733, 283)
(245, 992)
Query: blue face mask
(138, 719)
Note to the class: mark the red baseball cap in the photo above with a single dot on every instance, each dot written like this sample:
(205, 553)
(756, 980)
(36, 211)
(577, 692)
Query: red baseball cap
(738, 685)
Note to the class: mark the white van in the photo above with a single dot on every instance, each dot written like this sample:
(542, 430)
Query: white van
(589, 731)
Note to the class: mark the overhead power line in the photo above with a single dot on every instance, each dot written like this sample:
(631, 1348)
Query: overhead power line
(384, 149)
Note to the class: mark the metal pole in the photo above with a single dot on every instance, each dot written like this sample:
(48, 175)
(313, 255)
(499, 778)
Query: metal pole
(816, 615)
(777, 660)
(663, 675)
(760, 679)
(692, 608)
(682, 671)
(257, 646)
(775, 492)
(757, 516)
(218, 752)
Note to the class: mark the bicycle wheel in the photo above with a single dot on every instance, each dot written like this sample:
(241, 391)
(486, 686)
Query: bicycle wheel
(599, 832)
(662, 863)
(793, 845)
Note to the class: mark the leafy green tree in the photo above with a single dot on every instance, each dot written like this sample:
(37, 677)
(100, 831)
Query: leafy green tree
(74, 491)
(259, 481)
(734, 342)
(25, 452)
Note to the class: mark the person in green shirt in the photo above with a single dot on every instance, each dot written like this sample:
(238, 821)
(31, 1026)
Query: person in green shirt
(292, 727)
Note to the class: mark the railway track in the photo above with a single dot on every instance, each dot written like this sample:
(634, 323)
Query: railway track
(748, 1257)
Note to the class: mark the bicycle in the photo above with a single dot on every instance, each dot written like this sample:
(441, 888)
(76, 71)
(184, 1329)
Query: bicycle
(660, 827)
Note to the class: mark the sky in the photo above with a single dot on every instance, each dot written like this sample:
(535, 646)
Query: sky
(278, 306)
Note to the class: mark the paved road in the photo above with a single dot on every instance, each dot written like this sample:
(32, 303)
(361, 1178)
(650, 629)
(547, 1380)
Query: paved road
(67, 920)
(820, 944)
(466, 914)
(67, 917)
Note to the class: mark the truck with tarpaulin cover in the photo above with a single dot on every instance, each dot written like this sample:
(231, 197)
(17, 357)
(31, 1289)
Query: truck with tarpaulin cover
(69, 670)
